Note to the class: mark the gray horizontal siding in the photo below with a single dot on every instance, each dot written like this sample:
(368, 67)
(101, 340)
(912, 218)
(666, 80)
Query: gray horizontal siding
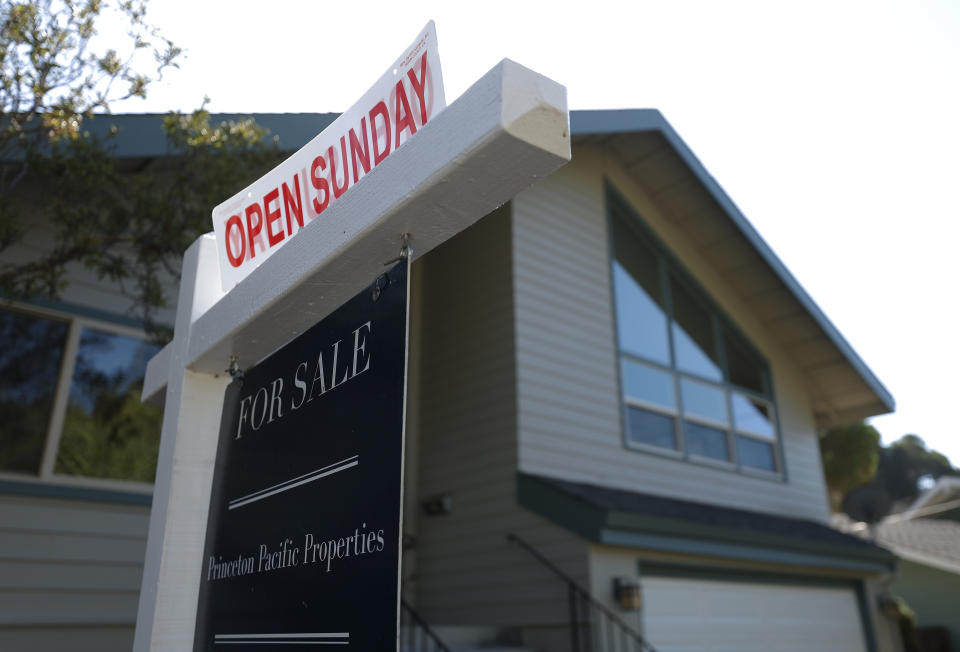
(74, 639)
(466, 571)
(69, 573)
(567, 376)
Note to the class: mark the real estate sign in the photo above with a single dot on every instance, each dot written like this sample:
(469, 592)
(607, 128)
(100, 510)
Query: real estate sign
(303, 534)
(256, 222)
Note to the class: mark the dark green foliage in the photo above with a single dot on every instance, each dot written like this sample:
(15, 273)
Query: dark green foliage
(118, 439)
(850, 455)
(905, 462)
(30, 359)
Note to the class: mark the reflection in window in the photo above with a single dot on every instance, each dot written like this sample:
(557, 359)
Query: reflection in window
(648, 384)
(745, 368)
(30, 352)
(641, 317)
(755, 454)
(108, 432)
(704, 401)
(651, 429)
(704, 441)
(693, 338)
(752, 416)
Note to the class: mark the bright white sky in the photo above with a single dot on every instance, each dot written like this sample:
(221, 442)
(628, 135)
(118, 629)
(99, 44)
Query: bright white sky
(834, 126)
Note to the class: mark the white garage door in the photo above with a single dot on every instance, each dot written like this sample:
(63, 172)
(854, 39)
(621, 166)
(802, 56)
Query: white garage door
(709, 616)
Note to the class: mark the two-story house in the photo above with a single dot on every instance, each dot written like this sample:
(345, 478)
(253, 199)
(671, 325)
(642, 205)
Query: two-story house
(614, 383)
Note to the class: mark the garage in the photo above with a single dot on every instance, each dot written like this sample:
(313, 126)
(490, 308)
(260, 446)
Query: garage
(705, 615)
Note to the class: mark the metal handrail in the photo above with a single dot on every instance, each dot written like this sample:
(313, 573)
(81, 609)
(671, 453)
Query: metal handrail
(609, 634)
(419, 637)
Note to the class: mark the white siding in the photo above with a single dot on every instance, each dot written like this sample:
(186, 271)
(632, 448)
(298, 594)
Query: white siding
(69, 573)
(467, 572)
(568, 394)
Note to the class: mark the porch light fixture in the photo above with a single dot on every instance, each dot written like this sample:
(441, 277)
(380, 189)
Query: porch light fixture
(627, 593)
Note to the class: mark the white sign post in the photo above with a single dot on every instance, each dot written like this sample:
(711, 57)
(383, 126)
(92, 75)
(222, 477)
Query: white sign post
(509, 129)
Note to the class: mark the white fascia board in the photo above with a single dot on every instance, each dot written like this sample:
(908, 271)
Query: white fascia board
(506, 131)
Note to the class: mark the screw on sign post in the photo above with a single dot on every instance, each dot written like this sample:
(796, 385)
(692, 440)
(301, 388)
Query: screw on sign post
(303, 536)
(277, 497)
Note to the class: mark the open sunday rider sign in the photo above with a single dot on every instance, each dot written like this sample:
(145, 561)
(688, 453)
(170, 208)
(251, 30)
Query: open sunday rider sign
(256, 222)
(303, 535)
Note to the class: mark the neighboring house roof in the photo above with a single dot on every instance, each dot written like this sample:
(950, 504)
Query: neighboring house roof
(936, 502)
(621, 517)
(841, 386)
(931, 542)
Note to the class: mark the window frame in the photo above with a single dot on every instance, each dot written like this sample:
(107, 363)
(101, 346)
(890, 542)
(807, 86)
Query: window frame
(670, 267)
(46, 474)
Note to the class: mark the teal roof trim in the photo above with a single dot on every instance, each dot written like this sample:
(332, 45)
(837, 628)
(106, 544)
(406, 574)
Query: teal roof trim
(584, 123)
(141, 135)
(656, 523)
(72, 492)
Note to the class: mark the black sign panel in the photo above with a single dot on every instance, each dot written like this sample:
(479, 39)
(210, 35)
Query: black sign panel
(303, 537)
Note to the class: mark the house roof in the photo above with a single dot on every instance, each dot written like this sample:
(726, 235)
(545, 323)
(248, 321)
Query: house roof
(841, 385)
(932, 542)
(941, 500)
(622, 517)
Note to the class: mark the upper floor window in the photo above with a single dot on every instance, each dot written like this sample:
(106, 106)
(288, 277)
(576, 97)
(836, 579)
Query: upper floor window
(691, 383)
(70, 400)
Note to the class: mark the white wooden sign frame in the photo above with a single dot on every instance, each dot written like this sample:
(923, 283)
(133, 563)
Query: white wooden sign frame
(506, 131)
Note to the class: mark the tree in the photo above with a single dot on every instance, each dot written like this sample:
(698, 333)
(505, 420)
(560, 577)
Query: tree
(55, 71)
(130, 227)
(853, 457)
(850, 457)
(905, 462)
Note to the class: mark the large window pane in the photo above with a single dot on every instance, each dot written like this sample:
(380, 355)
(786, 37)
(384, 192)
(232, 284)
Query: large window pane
(744, 367)
(704, 441)
(30, 353)
(704, 401)
(645, 383)
(755, 454)
(108, 432)
(645, 427)
(691, 381)
(752, 416)
(693, 338)
(641, 317)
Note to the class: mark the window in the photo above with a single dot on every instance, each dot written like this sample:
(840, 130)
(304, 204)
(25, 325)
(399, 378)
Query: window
(692, 385)
(70, 405)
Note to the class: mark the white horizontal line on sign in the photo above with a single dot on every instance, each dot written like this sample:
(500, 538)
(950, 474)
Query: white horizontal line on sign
(287, 635)
(292, 483)
(301, 638)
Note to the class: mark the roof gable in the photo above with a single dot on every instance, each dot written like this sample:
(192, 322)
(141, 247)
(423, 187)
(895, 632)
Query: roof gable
(842, 387)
